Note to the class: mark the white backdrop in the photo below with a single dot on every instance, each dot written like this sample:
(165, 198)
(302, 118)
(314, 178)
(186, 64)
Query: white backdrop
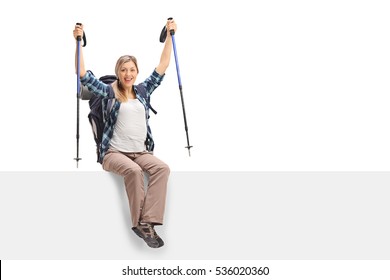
(268, 85)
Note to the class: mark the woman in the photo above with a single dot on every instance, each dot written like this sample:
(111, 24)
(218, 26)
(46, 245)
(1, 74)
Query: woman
(127, 143)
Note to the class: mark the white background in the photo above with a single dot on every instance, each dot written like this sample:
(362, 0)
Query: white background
(268, 85)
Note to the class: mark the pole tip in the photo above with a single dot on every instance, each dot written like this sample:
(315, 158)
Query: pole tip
(189, 152)
(77, 161)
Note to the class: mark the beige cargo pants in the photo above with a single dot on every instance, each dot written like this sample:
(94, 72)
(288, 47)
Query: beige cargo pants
(146, 206)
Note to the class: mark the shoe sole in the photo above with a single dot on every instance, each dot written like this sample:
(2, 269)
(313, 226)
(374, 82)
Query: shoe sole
(160, 242)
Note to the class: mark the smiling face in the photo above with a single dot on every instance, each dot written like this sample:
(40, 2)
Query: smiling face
(127, 74)
(126, 70)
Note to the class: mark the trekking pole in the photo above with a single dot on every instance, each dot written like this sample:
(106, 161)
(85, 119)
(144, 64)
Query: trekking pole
(78, 95)
(162, 39)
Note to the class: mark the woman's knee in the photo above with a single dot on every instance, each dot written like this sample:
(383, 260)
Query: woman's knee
(164, 168)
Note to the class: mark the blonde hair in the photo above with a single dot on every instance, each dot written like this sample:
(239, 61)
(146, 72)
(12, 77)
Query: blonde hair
(120, 94)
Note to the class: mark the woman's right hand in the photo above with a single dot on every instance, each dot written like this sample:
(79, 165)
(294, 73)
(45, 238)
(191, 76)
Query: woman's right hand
(78, 31)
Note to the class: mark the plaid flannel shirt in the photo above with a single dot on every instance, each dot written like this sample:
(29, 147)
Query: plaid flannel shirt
(96, 86)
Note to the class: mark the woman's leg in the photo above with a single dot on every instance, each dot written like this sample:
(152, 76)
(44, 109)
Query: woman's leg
(154, 205)
(132, 173)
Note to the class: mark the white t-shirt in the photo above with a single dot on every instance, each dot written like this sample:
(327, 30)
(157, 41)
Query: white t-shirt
(130, 128)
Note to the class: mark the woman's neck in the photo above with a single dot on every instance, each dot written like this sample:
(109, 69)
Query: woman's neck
(130, 93)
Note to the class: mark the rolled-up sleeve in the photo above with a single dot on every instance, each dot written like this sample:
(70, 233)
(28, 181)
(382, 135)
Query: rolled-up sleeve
(94, 85)
(153, 81)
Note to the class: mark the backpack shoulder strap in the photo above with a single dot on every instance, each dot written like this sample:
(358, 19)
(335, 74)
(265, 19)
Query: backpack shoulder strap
(110, 102)
(142, 91)
(111, 93)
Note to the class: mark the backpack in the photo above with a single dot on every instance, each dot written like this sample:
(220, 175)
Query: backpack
(97, 117)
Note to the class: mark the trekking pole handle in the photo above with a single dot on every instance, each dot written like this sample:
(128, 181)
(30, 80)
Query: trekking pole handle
(78, 37)
(84, 37)
(172, 31)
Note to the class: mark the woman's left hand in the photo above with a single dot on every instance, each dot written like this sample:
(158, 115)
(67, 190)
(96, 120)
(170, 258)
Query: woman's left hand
(171, 25)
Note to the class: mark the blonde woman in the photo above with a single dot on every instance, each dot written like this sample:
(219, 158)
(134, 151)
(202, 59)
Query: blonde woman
(127, 142)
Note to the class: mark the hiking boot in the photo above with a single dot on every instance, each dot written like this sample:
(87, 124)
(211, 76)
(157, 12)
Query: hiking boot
(148, 234)
(158, 238)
